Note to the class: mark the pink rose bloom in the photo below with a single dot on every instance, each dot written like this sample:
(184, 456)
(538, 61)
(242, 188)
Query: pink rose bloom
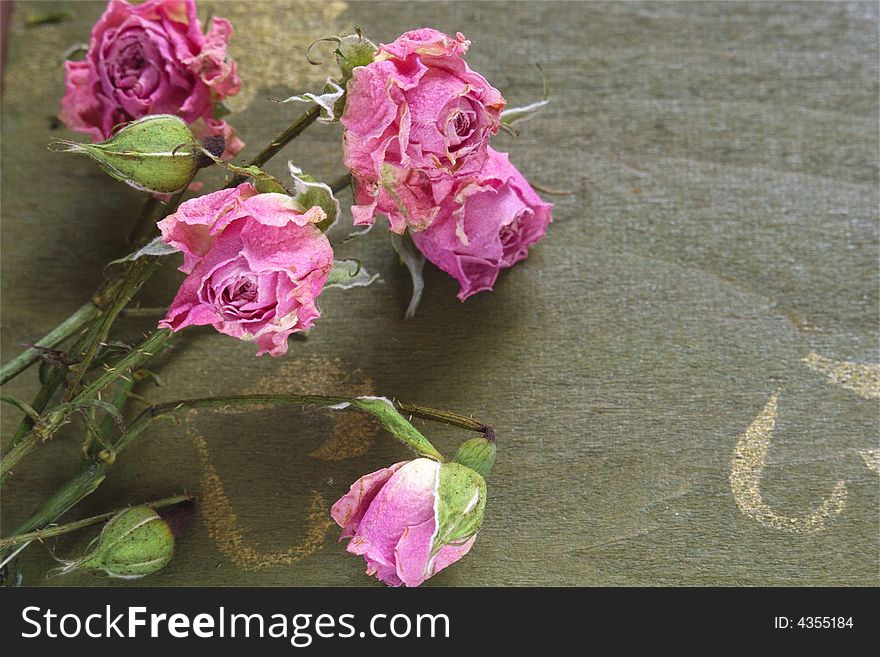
(255, 265)
(151, 58)
(488, 226)
(413, 118)
(391, 517)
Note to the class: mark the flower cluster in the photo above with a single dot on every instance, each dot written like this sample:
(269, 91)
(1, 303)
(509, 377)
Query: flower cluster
(417, 126)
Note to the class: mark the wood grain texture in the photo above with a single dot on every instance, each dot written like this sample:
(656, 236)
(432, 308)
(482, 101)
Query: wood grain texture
(724, 230)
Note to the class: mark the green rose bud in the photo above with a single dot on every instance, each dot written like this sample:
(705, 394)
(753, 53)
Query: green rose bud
(154, 154)
(134, 543)
(478, 454)
(353, 51)
(461, 500)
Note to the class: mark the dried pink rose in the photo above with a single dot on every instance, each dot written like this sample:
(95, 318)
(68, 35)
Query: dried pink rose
(151, 58)
(255, 265)
(393, 518)
(414, 118)
(487, 225)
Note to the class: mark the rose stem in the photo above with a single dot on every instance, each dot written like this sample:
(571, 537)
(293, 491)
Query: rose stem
(293, 130)
(59, 530)
(73, 324)
(90, 476)
(145, 225)
(53, 420)
(111, 299)
(66, 329)
(448, 417)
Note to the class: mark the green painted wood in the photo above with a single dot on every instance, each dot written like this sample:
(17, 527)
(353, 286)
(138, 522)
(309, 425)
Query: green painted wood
(716, 270)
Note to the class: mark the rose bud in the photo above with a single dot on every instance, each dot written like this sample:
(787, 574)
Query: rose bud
(411, 520)
(152, 58)
(478, 454)
(154, 154)
(255, 265)
(487, 225)
(415, 116)
(353, 50)
(134, 543)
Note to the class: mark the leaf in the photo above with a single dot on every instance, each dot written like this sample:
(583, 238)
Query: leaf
(155, 248)
(384, 411)
(264, 182)
(520, 114)
(349, 273)
(24, 407)
(415, 263)
(327, 100)
(108, 408)
(310, 192)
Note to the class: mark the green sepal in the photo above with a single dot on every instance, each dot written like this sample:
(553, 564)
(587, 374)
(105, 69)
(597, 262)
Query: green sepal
(353, 51)
(397, 425)
(349, 273)
(310, 192)
(461, 501)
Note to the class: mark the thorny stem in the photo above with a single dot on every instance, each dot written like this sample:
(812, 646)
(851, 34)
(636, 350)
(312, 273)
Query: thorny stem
(58, 530)
(66, 329)
(448, 417)
(293, 130)
(51, 422)
(111, 300)
(81, 317)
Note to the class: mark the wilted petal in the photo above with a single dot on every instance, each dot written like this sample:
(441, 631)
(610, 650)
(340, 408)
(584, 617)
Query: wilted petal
(350, 508)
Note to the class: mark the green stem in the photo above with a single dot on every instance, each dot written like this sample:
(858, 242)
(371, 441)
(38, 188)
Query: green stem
(131, 361)
(293, 130)
(66, 329)
(144, 226)
(143, 311)
(111, 299)
(89, 311)
(83, 484)
(126, 387)
(51, 422)
(448, 417)
(135, 275)
(80, 317)
(59, 530)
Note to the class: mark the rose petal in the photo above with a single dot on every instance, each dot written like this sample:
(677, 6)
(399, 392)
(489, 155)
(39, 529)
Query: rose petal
(407, 499)
(350, 508)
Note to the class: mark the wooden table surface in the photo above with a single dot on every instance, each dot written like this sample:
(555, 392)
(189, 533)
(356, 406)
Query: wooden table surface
(683, 375)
